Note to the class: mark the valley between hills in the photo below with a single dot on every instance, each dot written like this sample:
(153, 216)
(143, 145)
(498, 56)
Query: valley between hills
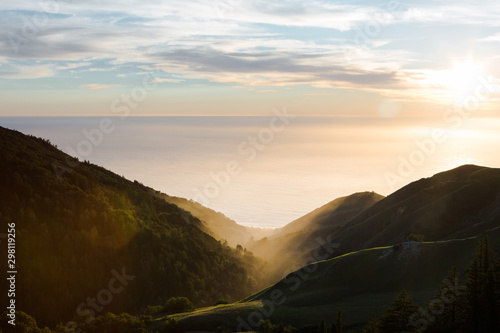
(99, 253)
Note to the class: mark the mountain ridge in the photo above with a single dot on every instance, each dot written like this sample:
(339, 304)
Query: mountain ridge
(289, 246)
(429, 207)
(372, 259)
(73, 232)
(219, 225)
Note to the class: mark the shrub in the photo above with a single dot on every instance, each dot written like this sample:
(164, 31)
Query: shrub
(221, 301)
(415, 238)
(178, 305)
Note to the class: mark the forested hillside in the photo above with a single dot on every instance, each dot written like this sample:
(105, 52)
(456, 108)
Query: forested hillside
(78, 225)
(217, 224)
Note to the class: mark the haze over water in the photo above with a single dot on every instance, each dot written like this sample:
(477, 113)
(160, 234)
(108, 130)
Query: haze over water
(291, 172)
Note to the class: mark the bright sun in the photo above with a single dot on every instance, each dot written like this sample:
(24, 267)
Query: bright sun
(459, 81)
(463, 79)
(462, 76)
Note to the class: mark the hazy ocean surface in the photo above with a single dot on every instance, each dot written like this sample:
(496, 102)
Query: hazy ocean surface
(264, 172)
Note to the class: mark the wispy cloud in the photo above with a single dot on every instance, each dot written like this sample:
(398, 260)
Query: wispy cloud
(159, 80)
(74, 65)
(258, 44)
(97, 86)
(491, 38)
(26, 72)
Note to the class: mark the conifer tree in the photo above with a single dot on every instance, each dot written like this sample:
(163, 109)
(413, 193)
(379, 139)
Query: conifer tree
(265, 327)
(372, 326)
(396, 318)
(338, 322)
(447, 309)
(322, 327)
(481, 298)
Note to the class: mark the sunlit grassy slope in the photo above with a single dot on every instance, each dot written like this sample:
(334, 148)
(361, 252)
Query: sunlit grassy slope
(358, 283)
(450, 210)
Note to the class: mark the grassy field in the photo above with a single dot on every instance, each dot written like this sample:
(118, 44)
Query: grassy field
(359, 283)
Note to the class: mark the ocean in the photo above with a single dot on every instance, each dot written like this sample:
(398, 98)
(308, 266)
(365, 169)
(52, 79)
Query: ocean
(268, 171)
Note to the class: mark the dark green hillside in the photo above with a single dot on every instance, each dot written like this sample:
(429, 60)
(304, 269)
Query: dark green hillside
(450, 210)
(359, 283)
(74, 230)
(455, 204)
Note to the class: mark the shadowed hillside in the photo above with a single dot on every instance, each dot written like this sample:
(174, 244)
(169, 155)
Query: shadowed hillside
(286, 248)
(372, 259)
(217, 224)
(360, 284)
(80, 229)
(454, 204)
(79, 225)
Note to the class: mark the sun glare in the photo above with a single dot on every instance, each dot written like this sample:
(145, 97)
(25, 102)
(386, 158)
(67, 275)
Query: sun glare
(463, 79)
(463, 75)
(460, 81)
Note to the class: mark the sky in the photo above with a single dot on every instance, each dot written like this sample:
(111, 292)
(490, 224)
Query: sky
(235, 57)
(411, 88)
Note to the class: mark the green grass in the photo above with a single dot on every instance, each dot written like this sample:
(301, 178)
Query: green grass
(359, 283)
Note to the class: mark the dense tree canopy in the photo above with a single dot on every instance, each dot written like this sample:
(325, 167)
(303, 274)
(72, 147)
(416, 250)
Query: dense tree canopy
(78, 226)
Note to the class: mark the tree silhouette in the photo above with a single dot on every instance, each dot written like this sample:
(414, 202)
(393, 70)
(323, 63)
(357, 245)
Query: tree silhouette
(337, 325)
(178, 305)
(448, 308)
(372, 326)
(322, 327)
(265, 327)
(396, 318)
(482, 298)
